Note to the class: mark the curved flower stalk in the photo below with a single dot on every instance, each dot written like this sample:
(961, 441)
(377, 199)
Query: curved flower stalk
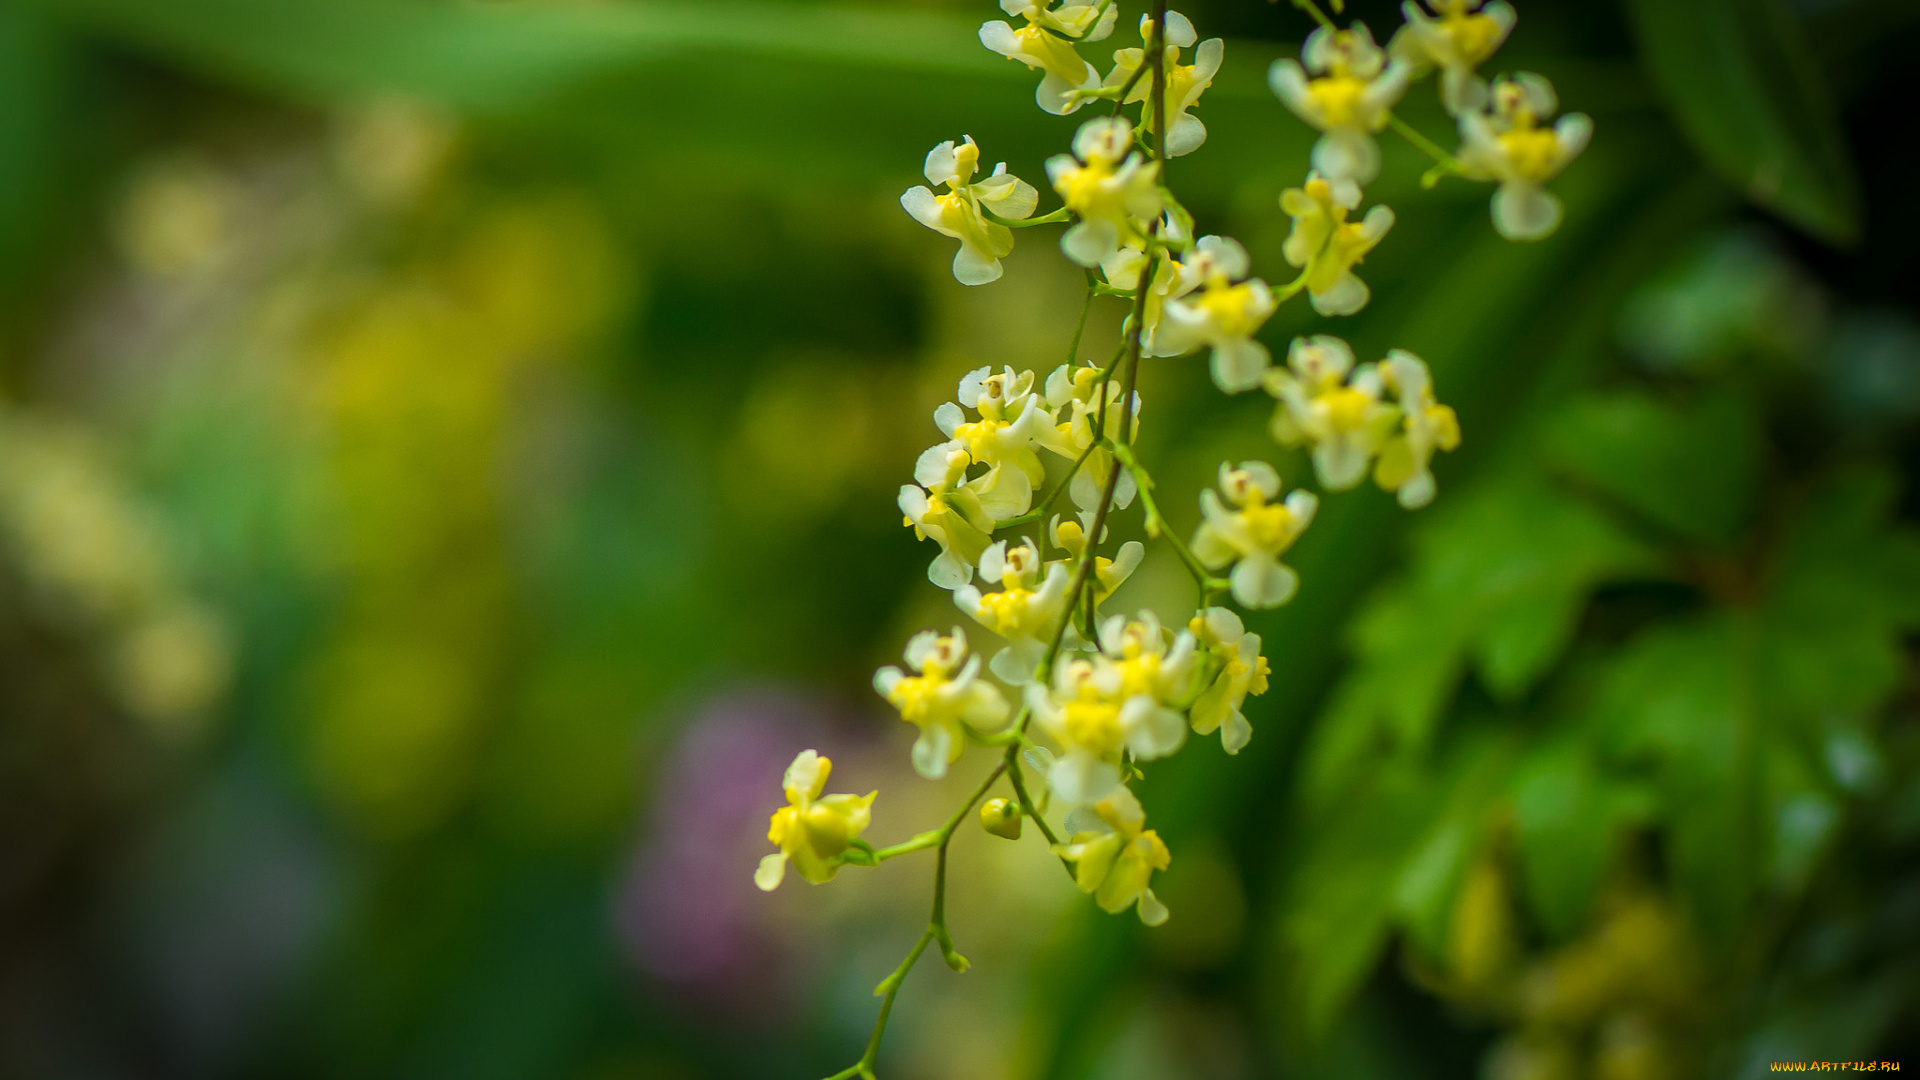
(1250, 531)
(812, 830)
(1347, 90)
(1045, 43)
(1109, 187)
(958, 213)
(1509, 145)
(1184, 82)
(1456, 39)
(1115, 856)
(1242, 671)
(1100, 696)
(1326, 246)
(944, 698)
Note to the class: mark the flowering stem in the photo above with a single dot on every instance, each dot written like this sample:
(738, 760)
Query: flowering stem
(936, 930)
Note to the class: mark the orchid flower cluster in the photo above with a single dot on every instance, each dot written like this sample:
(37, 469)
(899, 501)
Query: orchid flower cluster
(1032, 469)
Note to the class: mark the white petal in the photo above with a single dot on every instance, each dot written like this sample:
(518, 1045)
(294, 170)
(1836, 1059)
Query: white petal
(941, 165)
(1080, 778)
(1347, 154)
(925, 208)
(1261, 582)
(1235, 733)
(949, 571)
(931, 751)
(1090, 242)
(772, 869)
(1346, 296)
(1238, 365)
(1525, 211)
(1153, 731)
(1152, 911)
(948, 418)
(1180, 30)
(887, 678)
(974, 267)
(999, 37)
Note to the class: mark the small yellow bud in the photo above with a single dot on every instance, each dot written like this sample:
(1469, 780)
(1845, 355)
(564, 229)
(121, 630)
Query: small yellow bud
(1001, 817)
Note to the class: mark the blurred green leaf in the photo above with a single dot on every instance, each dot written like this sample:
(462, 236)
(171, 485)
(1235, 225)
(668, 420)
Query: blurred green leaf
(1689, 467)
(1847, 587)
(1500, 575)
(1565, 819)
(1682, 694)
(493, 56)
(1738, 77)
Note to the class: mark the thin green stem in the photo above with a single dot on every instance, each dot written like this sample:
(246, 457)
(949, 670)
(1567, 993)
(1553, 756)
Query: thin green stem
(1292, 288)
(1446, 164)
(1319, 16)
(1019, 783)
(1156, 525)
(1062, 214)
(1040, 512)
(936, 931)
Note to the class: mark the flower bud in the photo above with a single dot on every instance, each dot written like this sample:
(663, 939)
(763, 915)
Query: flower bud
(1001, 817)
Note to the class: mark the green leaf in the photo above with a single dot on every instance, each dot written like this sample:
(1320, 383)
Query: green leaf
(1501, 576)
(1842, 599)
(1682, 695)
(1564, 819)
(1739, 80)
(1690, 467)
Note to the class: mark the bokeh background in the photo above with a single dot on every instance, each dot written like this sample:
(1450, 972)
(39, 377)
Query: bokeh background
(447, 459)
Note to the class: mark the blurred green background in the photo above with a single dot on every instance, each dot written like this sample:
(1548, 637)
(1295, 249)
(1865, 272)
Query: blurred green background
(410, 590)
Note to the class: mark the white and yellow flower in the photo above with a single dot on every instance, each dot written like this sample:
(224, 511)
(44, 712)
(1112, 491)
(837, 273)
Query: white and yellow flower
(811, 830)
(1508, 145)
(1076, 392)
(1210, 307)
(1326, 246)
(1332, 406)
(1026, 611)
(1112, 189)
(1457, 38)
(1250, 531)
(1347, 90)
(948, 512)
(958, 213)
(1081, 22)
(944, 698)
(1115, 856)
(1046, 43)
(1108, 574)
(1242, 671)
(1113, 703)
(1013, 422)
(1425, 426)
(1184, 82)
